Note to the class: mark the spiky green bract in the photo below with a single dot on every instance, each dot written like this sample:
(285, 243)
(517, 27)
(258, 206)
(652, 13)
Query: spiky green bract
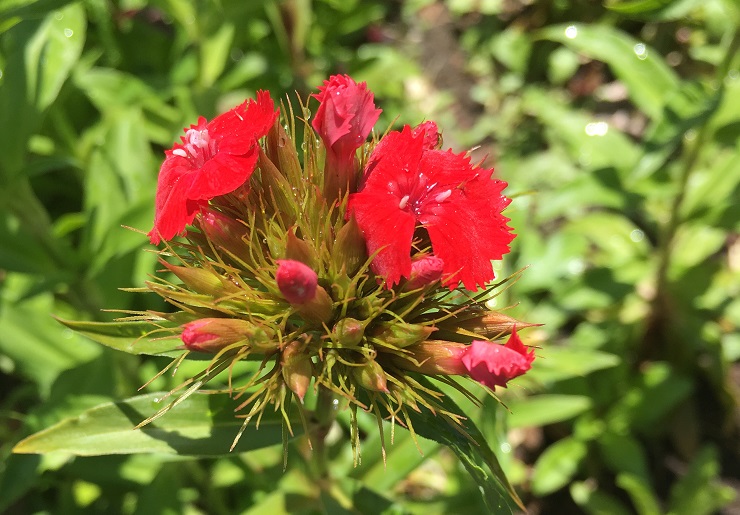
(351, 340)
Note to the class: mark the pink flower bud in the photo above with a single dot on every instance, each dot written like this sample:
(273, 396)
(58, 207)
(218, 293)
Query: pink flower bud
(213, 334)
(425, 271)
(432, 137)
(492, 364)
(296, 281)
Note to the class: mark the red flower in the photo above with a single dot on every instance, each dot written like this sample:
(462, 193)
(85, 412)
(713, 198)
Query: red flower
(214, 158)
(345, 117)
(408, 183)
(494, 365)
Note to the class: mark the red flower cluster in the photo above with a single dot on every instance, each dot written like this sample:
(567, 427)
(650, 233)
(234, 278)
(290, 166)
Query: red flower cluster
(408, 184)
(214, 158)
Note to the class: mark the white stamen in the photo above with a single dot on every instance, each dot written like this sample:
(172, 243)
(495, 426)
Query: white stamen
(404, 202)
(180, 152)
(443, 196)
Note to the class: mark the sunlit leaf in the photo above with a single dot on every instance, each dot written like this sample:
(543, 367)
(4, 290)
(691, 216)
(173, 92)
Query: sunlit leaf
(201, 425)
(641, 69)
(540, 410)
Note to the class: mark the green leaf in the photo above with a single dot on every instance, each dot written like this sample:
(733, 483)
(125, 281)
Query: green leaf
(472, 450)
(687, 107)
(596, 502)
(130, 337)
(589, 141)
(39, 347)
(642, 496)
(658, 390)
(637, 6)
(647, 78)
(699, 492)
(38, 58)
(624, 454)
(540, 410)
(564, 363)
(557, 465)
(201, 425)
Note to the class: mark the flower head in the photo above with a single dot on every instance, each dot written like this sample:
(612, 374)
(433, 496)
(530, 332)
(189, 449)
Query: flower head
(214, 158)
(407, 185)
(345, 117)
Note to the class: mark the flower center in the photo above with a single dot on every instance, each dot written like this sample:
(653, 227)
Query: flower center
(198, 147)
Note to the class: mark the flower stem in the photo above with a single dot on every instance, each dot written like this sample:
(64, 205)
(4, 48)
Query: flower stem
(326, 412)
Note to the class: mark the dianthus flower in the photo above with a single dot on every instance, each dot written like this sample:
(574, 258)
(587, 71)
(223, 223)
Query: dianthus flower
(408, 184)
(214, 158)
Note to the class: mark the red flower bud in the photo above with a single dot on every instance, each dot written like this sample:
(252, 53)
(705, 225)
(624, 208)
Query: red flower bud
(425, 271)
(296, 281)
(493, 365)
(213, 334)
(345, 117)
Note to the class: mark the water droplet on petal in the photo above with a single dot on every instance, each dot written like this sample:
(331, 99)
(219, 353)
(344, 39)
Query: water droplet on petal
(68, 32)
(571, 31)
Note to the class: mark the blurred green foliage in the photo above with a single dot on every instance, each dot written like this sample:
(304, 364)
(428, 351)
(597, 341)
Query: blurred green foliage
(617, 127)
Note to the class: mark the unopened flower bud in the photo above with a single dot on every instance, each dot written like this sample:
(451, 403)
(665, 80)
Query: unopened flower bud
(490, 325)
(298, 250)
(425, 271)
(432, 137)
(491, 364)
(434, 357)
(282, 151)
(297, 369)
(401, 334)
(349, 247)
(348, 332)
(370, 375)
(202, 280)
(299, 285)
(213, 334)
(224, 232)
(296, 281)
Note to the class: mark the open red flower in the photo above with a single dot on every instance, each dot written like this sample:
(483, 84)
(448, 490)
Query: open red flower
(214, 158)
(492, 364)
(345, 118)
(409, 184)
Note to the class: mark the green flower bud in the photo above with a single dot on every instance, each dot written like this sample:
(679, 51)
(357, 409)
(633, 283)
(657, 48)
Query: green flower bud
(401, 334)
(349, 247)
(281, 151)
(202, 280)
(489, 325)
(298, 250)
(370, 375)
(348, 332)
(297, 369)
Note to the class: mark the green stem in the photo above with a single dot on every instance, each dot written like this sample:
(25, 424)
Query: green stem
(326, 412)
(661, 303)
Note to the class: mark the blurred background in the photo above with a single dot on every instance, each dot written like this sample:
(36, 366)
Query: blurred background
(616, 125)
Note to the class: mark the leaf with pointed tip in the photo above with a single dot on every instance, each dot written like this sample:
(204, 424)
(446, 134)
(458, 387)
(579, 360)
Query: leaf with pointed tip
(472, 450)
(131, 337)
(201, 425)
